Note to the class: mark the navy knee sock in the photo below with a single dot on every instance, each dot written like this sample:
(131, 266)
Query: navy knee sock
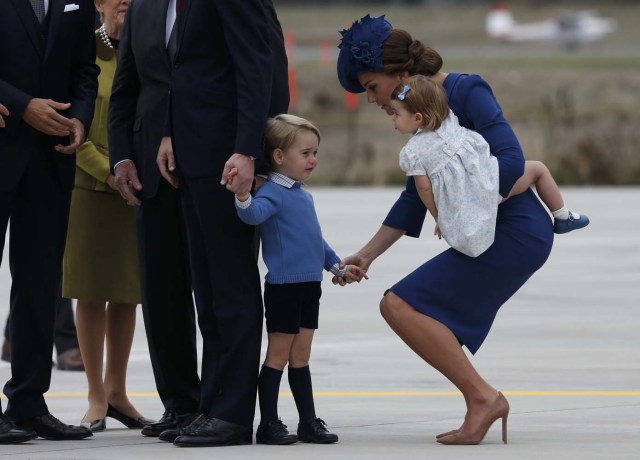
(300, 383)
(268, 389)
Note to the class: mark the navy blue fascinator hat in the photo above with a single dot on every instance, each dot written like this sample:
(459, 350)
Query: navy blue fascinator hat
(361, 50)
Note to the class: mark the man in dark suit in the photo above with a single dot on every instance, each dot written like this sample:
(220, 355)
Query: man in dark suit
(137, 111)
(220, 99)
(65, 338)
(48, 83)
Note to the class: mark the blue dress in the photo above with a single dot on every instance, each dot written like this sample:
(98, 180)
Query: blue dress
(462, 292)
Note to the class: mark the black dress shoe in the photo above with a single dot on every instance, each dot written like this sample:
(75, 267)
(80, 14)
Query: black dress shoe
(49, 427)
(171, 435)
(274, 433)
(315, 431)
(170, 420)
(212, 431)
(129, 422)
(11, 434)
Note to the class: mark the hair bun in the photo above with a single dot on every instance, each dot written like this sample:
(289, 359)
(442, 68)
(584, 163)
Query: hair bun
(416, 50)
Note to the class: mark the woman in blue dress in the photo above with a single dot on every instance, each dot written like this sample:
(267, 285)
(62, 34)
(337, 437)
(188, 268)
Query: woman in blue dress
(452, 299)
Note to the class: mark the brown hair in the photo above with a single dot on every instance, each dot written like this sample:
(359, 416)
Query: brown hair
(400, 52)
(281, 133)
(424, 96)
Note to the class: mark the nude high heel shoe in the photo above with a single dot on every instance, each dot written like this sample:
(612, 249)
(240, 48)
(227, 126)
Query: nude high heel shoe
(447, 433)
(499, 409)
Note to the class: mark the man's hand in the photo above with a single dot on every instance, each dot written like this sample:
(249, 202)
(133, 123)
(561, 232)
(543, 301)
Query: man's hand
(42, 115)
(242, 179)
(126, 181)
(166, 161)
(76, 137)
(5, 112)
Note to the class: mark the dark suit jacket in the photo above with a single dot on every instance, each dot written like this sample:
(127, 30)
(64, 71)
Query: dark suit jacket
(221, 85)
(59, 66)
(280, 78)
(140, 91)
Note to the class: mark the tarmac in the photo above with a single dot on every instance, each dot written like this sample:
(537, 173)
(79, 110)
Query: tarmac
(563, 350)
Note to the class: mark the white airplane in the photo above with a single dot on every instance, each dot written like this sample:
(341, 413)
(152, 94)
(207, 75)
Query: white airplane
(570, 28)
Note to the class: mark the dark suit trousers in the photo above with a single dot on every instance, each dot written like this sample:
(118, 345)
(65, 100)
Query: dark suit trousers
(167, 302)
(228, 299)
(64, 328)
(38, 207)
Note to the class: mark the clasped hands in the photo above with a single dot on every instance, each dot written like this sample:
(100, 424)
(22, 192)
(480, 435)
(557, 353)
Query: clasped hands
(42, 115)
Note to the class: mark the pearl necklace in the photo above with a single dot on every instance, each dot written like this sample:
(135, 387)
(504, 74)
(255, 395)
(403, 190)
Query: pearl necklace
(104, 36)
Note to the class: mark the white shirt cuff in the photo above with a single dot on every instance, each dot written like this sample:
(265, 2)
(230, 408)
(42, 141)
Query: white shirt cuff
(336, 270)
(119, 163)
(243, 204)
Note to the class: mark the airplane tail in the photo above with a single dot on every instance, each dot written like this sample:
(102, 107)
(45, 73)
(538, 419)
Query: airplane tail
(499, 21)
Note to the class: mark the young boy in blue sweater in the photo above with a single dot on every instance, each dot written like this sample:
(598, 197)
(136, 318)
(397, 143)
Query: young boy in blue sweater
(295, 254)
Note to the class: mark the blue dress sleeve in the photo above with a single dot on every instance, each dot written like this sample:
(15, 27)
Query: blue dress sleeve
(408, 212)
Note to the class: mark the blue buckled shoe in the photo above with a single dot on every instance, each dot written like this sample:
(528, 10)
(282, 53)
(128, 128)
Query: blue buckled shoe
(574, 222)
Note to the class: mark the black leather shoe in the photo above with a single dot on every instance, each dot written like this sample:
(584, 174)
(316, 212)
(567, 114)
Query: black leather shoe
(315, 431)
(129, 422)
(171, 435)
(274, 433)
(11, 434)
(49, 427)
(170, 420)
(212, 431)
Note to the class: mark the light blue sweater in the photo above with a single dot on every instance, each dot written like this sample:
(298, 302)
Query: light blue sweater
(292, 245)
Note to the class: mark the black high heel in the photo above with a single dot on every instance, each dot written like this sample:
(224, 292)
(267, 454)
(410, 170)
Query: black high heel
(95, 426)
(127, 421)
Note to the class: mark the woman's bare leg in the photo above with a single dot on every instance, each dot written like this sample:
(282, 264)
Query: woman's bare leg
(121, 325)
(90, 325)
(437, 345)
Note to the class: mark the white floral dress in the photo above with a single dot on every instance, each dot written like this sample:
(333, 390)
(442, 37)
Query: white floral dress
(464, 179)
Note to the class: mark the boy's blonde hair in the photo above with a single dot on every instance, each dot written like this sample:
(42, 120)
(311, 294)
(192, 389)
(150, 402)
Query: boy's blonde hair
(424, 96)
(281, 132)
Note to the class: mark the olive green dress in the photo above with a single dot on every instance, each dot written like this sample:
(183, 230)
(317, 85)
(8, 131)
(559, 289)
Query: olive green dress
(101, 258)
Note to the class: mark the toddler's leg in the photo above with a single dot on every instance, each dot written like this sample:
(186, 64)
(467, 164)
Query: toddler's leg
(536, 173)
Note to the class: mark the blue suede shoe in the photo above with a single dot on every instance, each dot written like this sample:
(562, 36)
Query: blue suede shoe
(574, 222)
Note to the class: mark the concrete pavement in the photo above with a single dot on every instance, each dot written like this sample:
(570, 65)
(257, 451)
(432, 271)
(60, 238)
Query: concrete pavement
(564, 351)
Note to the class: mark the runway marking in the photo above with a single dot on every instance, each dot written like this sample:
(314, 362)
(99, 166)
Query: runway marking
(393, 394)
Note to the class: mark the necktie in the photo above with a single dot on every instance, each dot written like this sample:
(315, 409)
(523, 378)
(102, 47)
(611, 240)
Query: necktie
(38, 9)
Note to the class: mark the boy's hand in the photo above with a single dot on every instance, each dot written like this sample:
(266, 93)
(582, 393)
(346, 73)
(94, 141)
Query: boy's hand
(352, 273)
(232, 185)
(436, 231)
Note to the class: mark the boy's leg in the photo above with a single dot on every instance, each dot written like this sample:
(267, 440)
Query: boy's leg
(311, 428)
(271, 374)
(300, 376)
